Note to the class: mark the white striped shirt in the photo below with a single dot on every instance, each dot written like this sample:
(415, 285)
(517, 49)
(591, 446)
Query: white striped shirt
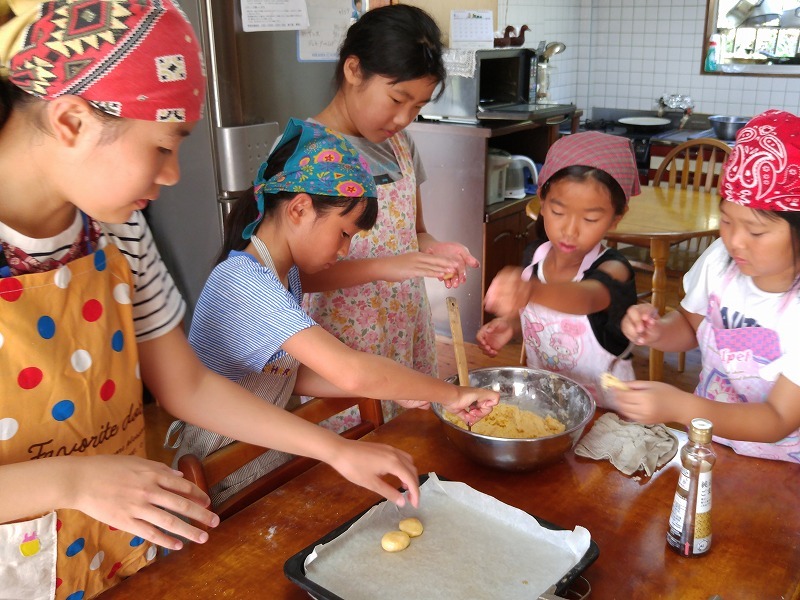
(244, 315)
(157, 303)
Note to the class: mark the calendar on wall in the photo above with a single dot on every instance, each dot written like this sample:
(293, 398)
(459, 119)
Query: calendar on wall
(471, 29)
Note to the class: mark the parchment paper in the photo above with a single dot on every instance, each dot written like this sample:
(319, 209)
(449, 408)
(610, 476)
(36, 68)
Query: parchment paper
(473, 546)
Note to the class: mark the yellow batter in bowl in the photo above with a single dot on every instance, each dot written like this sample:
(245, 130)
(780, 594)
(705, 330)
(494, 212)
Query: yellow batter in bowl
(507, 421)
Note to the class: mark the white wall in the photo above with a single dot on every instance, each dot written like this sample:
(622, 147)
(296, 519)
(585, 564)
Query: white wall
(627, 53)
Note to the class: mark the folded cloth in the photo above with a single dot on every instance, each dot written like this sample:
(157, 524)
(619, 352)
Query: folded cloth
(629, 446)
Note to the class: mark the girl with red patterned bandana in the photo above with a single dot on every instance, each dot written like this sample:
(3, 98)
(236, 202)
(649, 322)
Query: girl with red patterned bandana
(742, 306)
(95, 99)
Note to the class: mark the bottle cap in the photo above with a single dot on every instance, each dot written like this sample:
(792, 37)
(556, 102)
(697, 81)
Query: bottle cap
(700, 431)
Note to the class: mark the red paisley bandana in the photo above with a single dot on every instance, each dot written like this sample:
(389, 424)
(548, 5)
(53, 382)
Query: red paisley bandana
(135, 59)
(763, 170)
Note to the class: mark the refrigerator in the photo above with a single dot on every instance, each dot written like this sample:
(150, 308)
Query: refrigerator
(255, 84)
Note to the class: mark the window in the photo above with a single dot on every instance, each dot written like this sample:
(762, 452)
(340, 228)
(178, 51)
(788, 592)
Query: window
(754, 37)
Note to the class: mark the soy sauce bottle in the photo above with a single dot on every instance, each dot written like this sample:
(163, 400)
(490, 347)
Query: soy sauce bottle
(690, 521)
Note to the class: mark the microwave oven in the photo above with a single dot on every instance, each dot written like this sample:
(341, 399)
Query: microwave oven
(499, 89)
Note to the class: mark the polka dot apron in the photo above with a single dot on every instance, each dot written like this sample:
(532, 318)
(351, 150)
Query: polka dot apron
(71, 387)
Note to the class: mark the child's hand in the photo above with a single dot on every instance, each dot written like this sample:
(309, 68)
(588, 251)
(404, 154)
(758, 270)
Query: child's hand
(421, 404)
(642, 324)
(406, 266)
(139, 496)
(461, 254)
(364, 463)
(508, 293)
(649, 402)
(494, 335)
(473, 403)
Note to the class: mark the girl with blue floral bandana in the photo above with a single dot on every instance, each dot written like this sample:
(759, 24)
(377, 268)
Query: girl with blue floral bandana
(311, 196)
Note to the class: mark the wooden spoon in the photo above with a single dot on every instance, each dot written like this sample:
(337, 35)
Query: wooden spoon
(458, 343)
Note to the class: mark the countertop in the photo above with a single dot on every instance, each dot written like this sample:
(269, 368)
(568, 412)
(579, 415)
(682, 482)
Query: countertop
(678, 136)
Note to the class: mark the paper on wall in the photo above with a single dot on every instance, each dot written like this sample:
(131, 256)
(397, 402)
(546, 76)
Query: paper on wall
(274, 15)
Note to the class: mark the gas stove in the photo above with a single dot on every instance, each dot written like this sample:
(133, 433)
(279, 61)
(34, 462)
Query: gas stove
(640, 140)
(604, 126)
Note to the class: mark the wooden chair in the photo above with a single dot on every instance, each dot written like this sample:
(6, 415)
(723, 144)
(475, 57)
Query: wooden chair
(207, 472)
(693, 164)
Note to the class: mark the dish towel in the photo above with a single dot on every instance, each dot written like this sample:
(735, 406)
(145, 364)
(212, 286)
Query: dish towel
(629, 446)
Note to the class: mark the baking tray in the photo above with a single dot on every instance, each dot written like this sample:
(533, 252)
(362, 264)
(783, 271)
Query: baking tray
(294, 568)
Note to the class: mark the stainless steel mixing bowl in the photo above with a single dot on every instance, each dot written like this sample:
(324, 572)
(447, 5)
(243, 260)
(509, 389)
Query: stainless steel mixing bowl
(725, 127)
(542, 392)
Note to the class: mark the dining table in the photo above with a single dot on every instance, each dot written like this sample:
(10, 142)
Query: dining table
(661, 217)
(755, 550)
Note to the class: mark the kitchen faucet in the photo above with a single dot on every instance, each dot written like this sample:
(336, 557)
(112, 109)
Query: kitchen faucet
(676, 102)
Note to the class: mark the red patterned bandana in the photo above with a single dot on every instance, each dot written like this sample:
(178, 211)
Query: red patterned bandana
(610, 153)
(763, 170)
(135, 59)
(21, 263)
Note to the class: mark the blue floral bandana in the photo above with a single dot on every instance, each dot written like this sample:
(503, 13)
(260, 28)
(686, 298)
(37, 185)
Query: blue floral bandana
(324, 163)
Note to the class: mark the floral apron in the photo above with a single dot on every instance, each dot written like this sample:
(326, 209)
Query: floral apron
(736, 370)
(564, 343)
(71, 387)
(384, 318)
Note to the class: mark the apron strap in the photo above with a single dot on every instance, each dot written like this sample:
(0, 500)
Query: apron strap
(176, 429)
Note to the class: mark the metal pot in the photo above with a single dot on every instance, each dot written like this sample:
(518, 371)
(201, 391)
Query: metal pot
(726, 128)
(540, 391)
(645, 124)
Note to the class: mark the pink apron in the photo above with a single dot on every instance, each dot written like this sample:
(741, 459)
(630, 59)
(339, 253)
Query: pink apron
(565, 343)
(385, 318)
(71, 386)
(733, 360)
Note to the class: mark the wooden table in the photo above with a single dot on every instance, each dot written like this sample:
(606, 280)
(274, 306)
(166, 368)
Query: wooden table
(663, 217)
(755, 551)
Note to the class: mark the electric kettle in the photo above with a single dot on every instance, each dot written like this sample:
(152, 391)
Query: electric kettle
(517, 178)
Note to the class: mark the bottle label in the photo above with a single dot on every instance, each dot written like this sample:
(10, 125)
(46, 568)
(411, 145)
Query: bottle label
(702, 519)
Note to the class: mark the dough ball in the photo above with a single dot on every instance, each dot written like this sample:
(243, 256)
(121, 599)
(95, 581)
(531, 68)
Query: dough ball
(608, 381)
(412, 526)
(395, 541)
(448, 276)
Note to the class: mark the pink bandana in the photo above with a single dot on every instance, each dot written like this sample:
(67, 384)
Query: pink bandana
(763, 170)
(610, 153)
(135, 59)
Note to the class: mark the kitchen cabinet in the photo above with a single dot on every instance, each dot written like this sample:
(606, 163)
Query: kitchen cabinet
(454, 204)
(507, 231)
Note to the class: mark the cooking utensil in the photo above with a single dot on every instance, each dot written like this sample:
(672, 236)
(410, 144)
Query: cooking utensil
(725, 127)
(539, 391)
(552, 49)
(645, 123)
(458, 344)
(621, 355)
(608, 395)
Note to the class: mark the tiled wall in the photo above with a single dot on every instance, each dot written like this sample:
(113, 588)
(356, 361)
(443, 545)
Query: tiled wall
(627, 53)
